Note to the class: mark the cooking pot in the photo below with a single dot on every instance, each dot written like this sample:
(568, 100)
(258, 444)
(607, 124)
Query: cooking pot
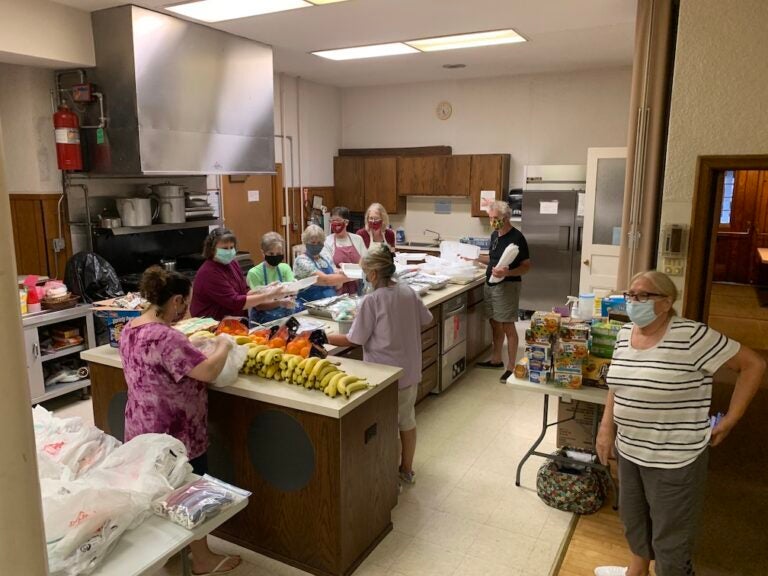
(171, 201)
(109, 221)
(136, 212)
(168, 265)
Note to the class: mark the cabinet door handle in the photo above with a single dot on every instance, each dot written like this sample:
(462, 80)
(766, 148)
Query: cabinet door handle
(35, 350)
(586, 262)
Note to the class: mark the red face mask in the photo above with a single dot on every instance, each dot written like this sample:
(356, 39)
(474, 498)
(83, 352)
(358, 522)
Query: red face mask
(374, 225)
(337, 227)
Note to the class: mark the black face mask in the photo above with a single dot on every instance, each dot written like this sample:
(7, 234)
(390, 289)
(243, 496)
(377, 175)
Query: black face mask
(273, 259)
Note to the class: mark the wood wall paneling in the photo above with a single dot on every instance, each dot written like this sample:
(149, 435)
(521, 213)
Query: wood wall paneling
(29, 235)
(327, 193)
(417, 151)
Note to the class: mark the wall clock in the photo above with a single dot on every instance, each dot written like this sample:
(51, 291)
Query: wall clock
(444, 110)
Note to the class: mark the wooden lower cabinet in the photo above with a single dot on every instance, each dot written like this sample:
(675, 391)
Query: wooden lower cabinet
(429, 376)
(323, 488)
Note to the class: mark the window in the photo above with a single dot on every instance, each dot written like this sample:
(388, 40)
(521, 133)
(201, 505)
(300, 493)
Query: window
(725, 210)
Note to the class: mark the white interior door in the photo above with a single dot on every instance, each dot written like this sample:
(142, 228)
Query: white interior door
(603, 207)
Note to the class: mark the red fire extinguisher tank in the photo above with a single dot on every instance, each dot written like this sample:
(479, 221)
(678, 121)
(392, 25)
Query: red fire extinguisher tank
(68, 151)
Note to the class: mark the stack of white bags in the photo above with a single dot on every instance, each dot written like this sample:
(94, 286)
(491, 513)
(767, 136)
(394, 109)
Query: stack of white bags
(94, 488)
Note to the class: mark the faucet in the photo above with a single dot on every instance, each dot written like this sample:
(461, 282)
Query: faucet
(433, 232)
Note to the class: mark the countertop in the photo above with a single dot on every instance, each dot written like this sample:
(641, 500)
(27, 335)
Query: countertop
(287, 395)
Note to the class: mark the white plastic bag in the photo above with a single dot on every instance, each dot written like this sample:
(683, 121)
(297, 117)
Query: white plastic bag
(83, 521)
(235, 359)
(507, 257)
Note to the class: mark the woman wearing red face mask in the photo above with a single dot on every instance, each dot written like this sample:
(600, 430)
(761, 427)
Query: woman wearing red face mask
(377, 231)
(344, 247)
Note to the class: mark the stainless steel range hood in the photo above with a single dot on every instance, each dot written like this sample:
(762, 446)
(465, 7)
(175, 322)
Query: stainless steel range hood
(181, 98)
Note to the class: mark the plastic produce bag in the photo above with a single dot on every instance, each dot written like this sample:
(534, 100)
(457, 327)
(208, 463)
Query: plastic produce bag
(507, 257)
(83, 522)
(92, 278)
(194, 503)
(235, 359)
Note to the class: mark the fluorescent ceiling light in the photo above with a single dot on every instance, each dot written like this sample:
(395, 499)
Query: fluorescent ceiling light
(472, 40)
(372, 51)
(319, 2)
(218, 10)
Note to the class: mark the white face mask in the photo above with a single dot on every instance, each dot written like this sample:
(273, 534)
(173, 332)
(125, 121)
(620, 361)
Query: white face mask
(642, 313)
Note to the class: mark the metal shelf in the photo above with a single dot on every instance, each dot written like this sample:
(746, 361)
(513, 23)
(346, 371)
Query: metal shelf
(60, 389)
(123, 230)
(61, 353)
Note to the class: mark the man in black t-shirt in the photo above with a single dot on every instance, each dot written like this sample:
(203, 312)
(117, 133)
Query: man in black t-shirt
(503, 298)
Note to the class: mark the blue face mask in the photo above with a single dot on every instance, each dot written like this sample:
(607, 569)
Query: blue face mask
(225, 255)
(641, 313)
(313, 250)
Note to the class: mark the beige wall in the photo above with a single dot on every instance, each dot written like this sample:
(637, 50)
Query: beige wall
(26, 129)
(543, 119)
(44, 33)
(718, 93)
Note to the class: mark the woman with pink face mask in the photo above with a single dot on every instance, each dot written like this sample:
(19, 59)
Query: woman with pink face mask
(344, 247)
(377, 231)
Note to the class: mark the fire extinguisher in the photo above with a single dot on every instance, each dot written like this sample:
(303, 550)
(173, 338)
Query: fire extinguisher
(68, 151)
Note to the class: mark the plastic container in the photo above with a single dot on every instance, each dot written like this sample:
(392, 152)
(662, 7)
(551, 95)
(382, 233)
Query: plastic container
(344, 326)
(23, 301)
(586, 306)
(33, 300)
(400, 235)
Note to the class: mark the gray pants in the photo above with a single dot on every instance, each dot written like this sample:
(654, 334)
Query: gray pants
(660, 509)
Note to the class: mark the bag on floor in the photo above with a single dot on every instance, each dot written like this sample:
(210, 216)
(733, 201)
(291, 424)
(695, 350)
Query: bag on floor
(576, 489)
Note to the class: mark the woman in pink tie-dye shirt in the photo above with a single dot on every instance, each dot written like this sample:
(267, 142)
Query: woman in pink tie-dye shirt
(166, 379)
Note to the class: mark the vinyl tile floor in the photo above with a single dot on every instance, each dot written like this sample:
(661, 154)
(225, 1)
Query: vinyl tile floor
(464, 515)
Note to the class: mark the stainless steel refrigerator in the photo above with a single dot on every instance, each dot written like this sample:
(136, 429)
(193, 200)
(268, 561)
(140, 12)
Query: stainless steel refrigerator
(552, 223)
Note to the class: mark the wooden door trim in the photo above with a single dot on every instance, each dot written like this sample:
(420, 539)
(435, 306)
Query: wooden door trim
(705, 224)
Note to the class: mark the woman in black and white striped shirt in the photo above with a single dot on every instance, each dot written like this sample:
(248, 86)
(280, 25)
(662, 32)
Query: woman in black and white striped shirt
(657, 418)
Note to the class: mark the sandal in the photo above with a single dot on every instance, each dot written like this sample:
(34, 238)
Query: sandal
(216, 570)
(489, 364)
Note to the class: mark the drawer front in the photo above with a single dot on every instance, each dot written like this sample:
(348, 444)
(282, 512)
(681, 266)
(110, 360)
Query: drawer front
(475, 295)
(429, 356)
(428, 338)
(428, 381)
(435, 317)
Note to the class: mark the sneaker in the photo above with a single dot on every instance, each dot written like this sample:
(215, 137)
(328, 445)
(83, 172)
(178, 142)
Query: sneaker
(408, 477)
(489, 364)
(505, 376)
(611, 571)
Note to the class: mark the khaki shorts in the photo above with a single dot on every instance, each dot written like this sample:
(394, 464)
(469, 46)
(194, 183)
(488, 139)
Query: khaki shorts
(502, 301)
(406, 407)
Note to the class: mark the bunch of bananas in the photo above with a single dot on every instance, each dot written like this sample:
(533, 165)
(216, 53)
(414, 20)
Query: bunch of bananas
(312, 373)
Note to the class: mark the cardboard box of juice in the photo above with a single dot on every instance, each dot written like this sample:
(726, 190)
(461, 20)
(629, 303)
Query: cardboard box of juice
(568, 379)
(540, 352)
(545, 325)
(595, 371)
(538, 376)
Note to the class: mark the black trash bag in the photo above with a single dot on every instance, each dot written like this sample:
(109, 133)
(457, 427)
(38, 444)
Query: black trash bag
(92, 278)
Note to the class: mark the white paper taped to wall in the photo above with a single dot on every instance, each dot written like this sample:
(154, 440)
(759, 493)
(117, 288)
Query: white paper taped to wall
(253, 195)
(548, 206)
(487, 197)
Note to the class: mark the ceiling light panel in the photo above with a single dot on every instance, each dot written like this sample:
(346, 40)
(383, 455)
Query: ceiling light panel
(219, 10)
(472, 40)
(320, 2)
(373, 51)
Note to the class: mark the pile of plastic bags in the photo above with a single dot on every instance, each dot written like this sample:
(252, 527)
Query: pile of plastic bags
(94, 488)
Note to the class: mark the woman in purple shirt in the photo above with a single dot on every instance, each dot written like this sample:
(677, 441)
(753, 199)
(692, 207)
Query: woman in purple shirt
(166, 379)
(220, 289)
(388, 327)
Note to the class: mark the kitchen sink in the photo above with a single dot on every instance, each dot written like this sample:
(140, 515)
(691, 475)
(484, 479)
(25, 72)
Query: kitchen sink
(422, 244)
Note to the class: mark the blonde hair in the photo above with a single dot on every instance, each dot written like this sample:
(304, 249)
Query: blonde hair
(382, 262)
(661, 283)
(313, 233)
(382, 212)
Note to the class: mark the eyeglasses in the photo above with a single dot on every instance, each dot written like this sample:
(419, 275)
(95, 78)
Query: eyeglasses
(641, 296)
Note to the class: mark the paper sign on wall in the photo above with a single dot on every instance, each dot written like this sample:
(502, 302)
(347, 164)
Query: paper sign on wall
(580, 206)
(487, 197)
(253, 195)
(442, 206)
(548, 206)
(317, 202)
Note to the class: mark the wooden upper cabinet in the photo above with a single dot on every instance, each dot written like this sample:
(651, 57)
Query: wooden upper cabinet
(488, 172)
(452, 176)
(380, 184)
(416, 175)
(348, 181)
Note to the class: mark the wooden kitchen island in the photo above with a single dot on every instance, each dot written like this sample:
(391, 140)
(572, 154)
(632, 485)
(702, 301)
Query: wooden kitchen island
(323, 471)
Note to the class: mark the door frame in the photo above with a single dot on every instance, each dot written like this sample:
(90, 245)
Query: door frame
(705, 221)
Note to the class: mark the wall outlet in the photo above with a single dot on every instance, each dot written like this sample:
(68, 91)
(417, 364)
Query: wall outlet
(59, 245)
(673, 266)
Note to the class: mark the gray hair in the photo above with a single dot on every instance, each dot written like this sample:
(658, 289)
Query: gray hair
(382, 262)
(501, 208)
(313, 233)
(662, 283)
(270, 240)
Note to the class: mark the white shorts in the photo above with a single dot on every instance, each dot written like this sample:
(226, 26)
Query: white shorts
(406, 407)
